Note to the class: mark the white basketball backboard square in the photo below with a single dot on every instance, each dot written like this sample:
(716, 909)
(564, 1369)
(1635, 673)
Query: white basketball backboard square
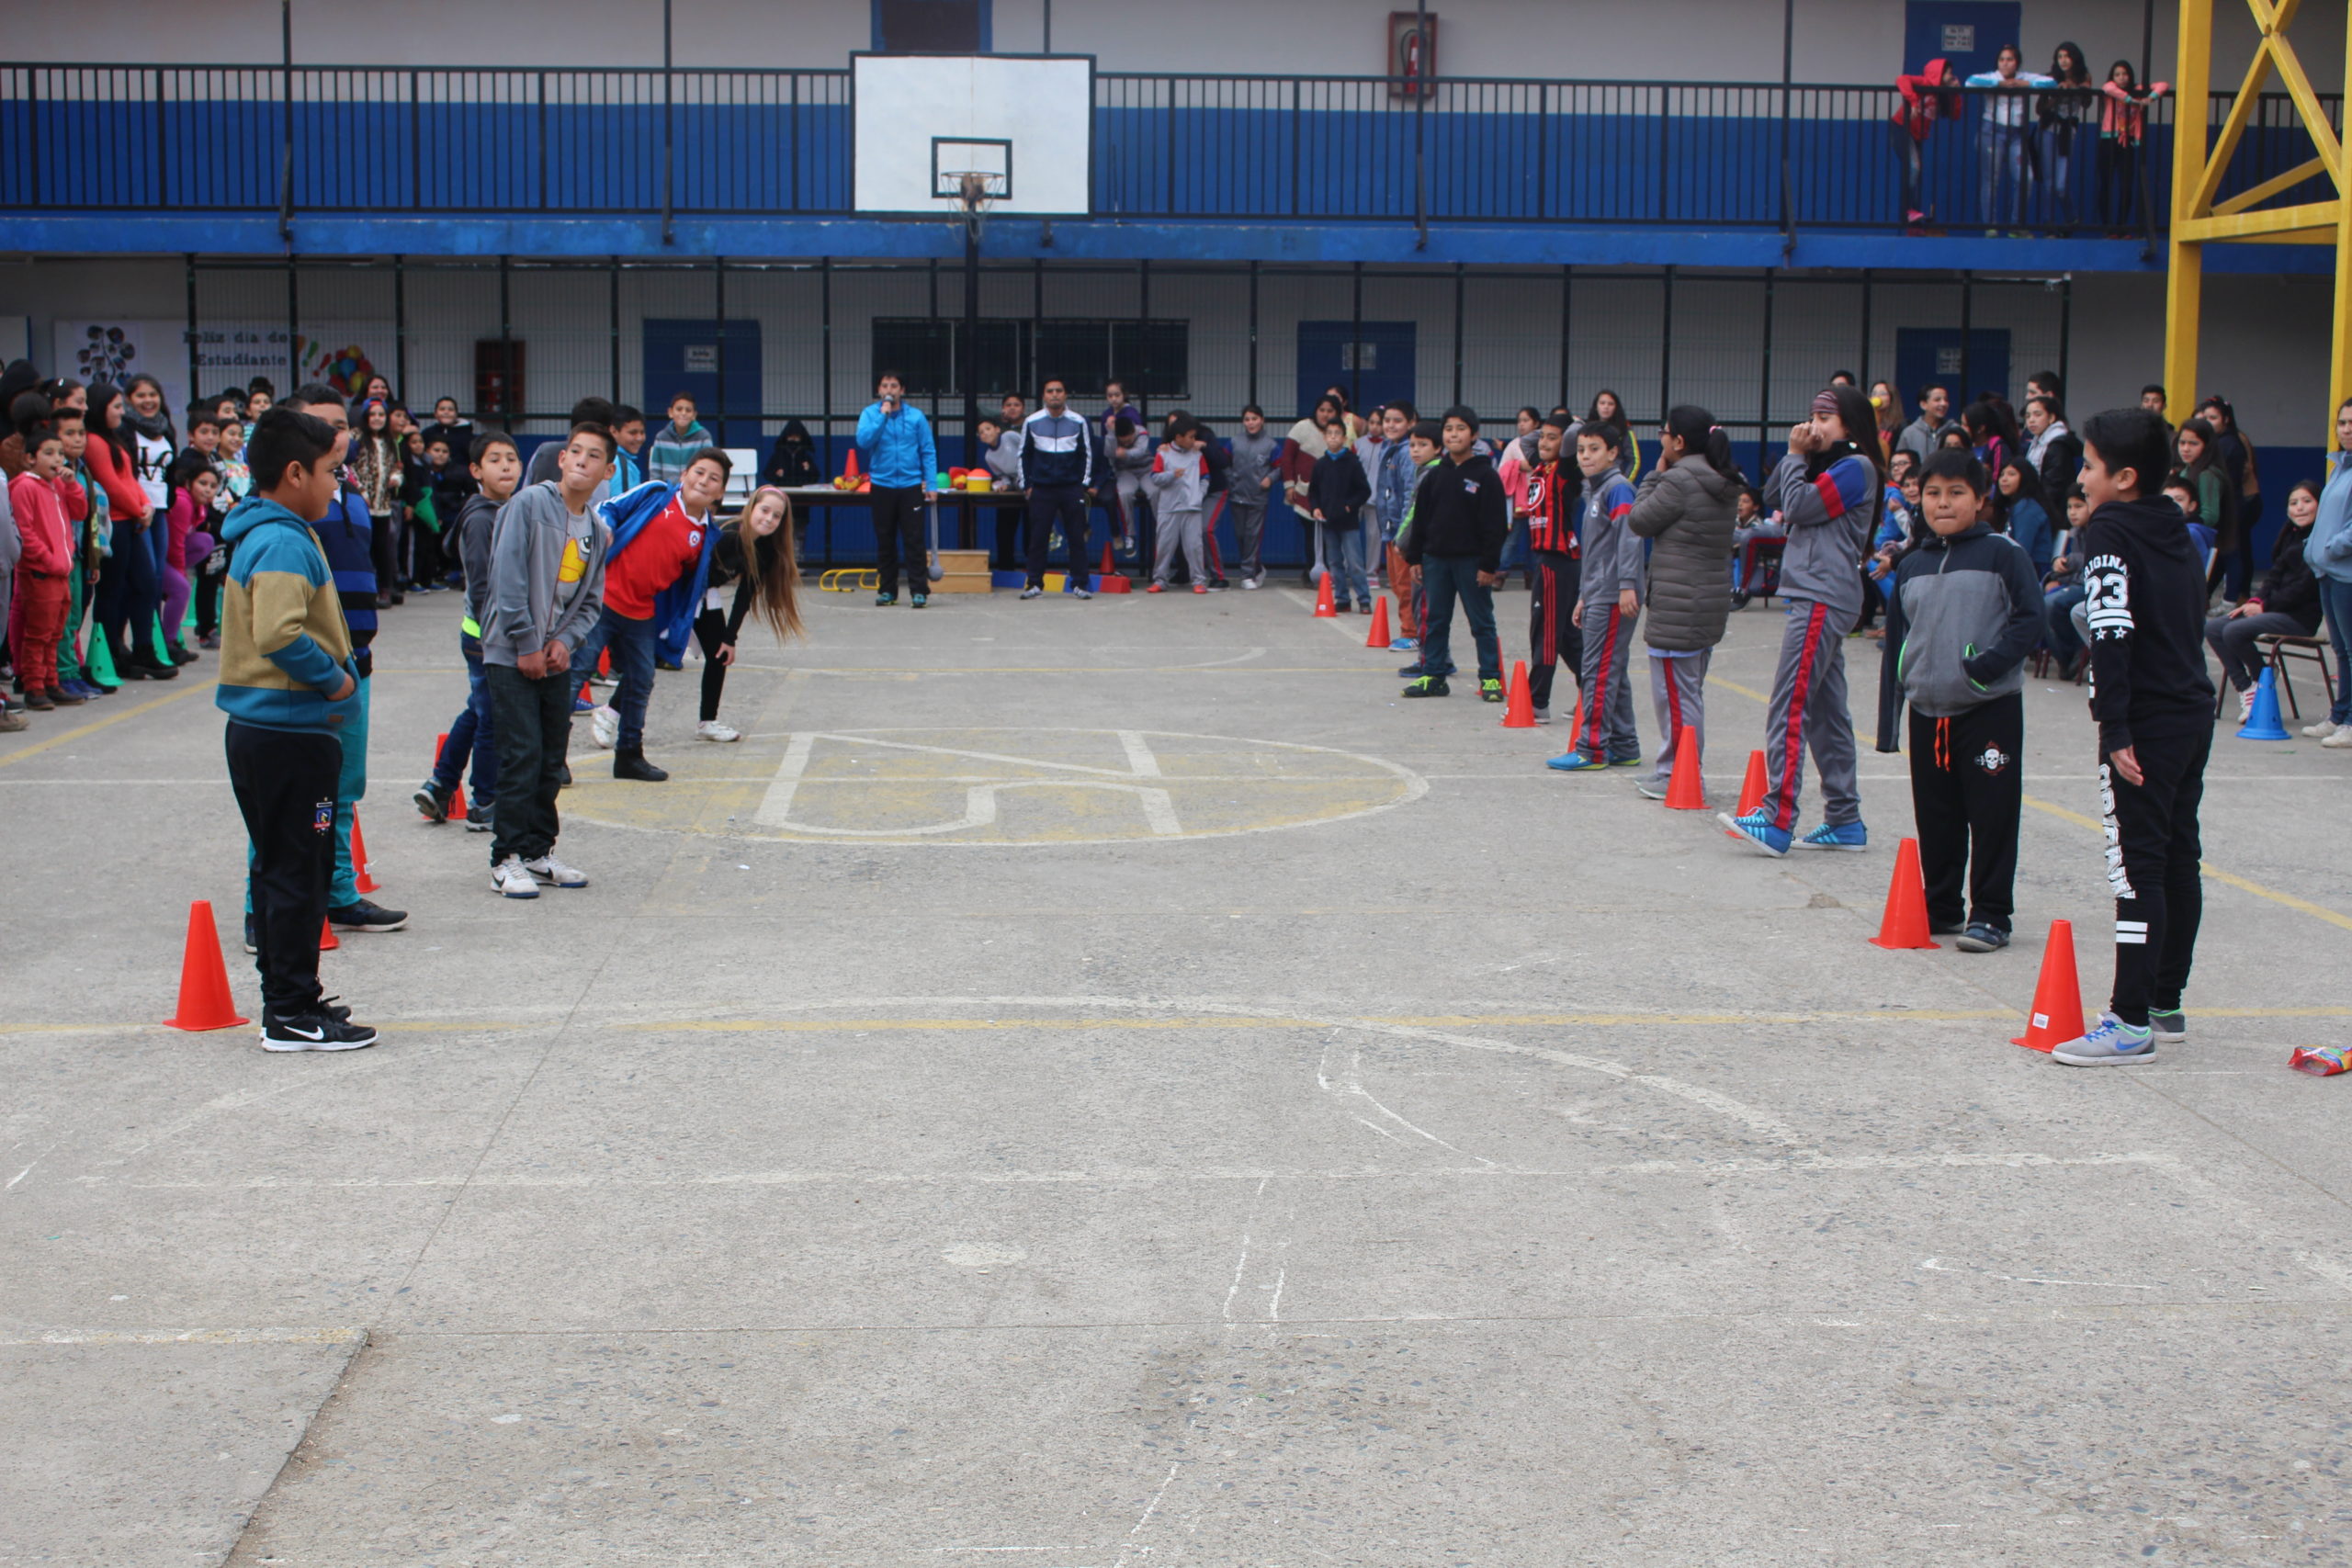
(1026, 121)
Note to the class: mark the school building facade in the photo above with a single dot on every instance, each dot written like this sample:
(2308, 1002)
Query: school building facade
(1683, 201)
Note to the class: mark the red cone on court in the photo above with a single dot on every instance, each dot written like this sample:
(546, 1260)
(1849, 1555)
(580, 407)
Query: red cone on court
(204, 976)
(2057, 1014)
(457, 795)
(1105, 569)
(1905, 924)
(1686, 790)
(1323, 606)
(1378, 636)
(361, 877)
(1752, 788)
(1575, 724)
(1519, 707)
(603, 662)
(328, 941)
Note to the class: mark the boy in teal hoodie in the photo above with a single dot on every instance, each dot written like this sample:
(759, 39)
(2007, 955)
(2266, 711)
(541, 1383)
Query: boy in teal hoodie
(289, 686)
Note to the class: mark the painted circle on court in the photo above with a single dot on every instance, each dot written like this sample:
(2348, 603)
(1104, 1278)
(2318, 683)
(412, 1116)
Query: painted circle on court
(997, 787)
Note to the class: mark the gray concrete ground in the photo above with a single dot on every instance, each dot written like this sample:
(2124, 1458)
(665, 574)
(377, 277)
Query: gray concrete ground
(1110, 1086)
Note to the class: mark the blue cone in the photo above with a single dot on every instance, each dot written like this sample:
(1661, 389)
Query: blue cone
(2263, 723)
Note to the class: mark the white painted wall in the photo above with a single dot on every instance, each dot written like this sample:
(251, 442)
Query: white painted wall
(2264, 342)
(1838, 41)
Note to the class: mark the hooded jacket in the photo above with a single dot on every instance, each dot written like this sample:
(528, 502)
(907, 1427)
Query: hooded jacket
(793, 461)
(283, 642)
(1615, 558)
(1339, 488)
(2289, 588)
(1179, 481)
(897, 448)
(1686, 511)
(2143, 580)
(527, 559)
(1925, 99)
(1962, 614)
(1828, 503)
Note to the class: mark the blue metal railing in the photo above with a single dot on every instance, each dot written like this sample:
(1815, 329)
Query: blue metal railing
(501, 141)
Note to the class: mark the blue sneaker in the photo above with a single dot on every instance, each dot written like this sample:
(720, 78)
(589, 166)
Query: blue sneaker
(1757, 829)
(2111, 1042)
(1633, 761)
(1407, 643)
(1577, 761)
(581, 705)
(1837, 836)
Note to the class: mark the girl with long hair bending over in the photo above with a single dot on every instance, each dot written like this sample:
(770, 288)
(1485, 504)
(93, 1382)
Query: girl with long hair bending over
(755, 553)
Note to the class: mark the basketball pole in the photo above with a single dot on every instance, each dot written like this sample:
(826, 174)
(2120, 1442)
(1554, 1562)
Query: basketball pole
(971, 343)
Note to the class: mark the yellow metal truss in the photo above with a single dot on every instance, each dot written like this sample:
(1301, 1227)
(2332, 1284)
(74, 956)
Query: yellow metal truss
(2198, 219)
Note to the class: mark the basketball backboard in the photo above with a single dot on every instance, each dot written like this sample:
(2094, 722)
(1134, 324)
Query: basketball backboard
(920, 122)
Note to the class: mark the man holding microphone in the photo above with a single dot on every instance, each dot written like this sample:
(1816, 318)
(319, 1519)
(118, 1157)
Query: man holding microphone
(894, 443)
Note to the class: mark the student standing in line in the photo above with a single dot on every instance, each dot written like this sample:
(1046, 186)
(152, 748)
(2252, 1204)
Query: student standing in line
(1252, 478)
(289, 686)
(1964, 611)
(894, 443)
(1684, 511)
(2199, 447)
(1608, 608)
(129, 590)
(2330, 554)
(675, 446)
(1179, 484)
(1338, 491)
(755, 553)
(473, 735)
(85, 502)
(546, 589)
(37, 612)
(1427, 448)
(1549, 498)
(2055, 452)
(1455, 543)
(1393, 476)
(2153, 705)
(1058, 475)
(344, 535)
(379, 468)
(2241, 464)
(1827, 488)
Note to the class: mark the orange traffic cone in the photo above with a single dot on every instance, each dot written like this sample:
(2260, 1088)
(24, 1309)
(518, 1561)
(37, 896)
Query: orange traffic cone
(204, 976)
(1519, 708)
(361, 877)
(328, 941)
(1905, 924)
(1106, 557)
(1752, 788)
(849, 469)
(457, 795)
(1575, 724)
(1323, 606)
(603, 662)
(1378, 637)
(1686, 791)
(2057, 995)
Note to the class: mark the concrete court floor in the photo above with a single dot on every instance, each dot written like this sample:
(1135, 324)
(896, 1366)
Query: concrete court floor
(873, 1198)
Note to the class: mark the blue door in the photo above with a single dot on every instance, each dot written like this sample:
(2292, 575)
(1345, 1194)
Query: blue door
(1930, 356)
(684, 355)
(1969, 33)
(1370, 361)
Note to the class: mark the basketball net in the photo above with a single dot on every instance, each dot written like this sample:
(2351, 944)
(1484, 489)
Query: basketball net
(973, 198)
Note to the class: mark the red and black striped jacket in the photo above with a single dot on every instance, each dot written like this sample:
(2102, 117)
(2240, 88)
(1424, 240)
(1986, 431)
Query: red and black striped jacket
(1549, 497)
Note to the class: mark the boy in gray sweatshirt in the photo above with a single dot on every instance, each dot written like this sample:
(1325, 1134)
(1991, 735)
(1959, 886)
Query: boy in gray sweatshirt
(546, 585)
(1248, 484)
(1609, 607)
(1179, 483)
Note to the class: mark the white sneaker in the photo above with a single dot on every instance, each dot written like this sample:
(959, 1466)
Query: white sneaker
(2320, 730)
(605, 724)
(547, 868)
(511, 879)
(2341, 741)
(2245, 705)
(711, 729)
(1253, 583)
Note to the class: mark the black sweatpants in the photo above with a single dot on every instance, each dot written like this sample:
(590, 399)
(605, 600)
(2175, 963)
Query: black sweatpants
(2154, 856)
(1967, 792)
(898, 537)
(285, 785)
(1047, 505)
(1554, 578)
(711, 633)
(532, 720)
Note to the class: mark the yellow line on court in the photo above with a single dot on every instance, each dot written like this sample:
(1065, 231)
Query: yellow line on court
(2227, 878)
(1750, 692)
(79, 730)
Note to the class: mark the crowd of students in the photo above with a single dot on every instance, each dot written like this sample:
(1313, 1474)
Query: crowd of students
(289, 526)
(2034, 130)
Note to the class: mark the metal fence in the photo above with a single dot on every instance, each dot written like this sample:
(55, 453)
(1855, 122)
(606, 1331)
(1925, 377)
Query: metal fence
(499, 141)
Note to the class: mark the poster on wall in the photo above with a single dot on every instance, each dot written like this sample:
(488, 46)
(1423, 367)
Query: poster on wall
(1412, 53)
(344, 355)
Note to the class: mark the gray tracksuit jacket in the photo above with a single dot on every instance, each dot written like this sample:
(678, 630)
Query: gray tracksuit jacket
(1829, 516)
(1253, 458)
(525, 559)
(1686, 512)
(1615, 558)
(1962, 614)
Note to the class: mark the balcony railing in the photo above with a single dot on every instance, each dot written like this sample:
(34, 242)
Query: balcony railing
(499, 141)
